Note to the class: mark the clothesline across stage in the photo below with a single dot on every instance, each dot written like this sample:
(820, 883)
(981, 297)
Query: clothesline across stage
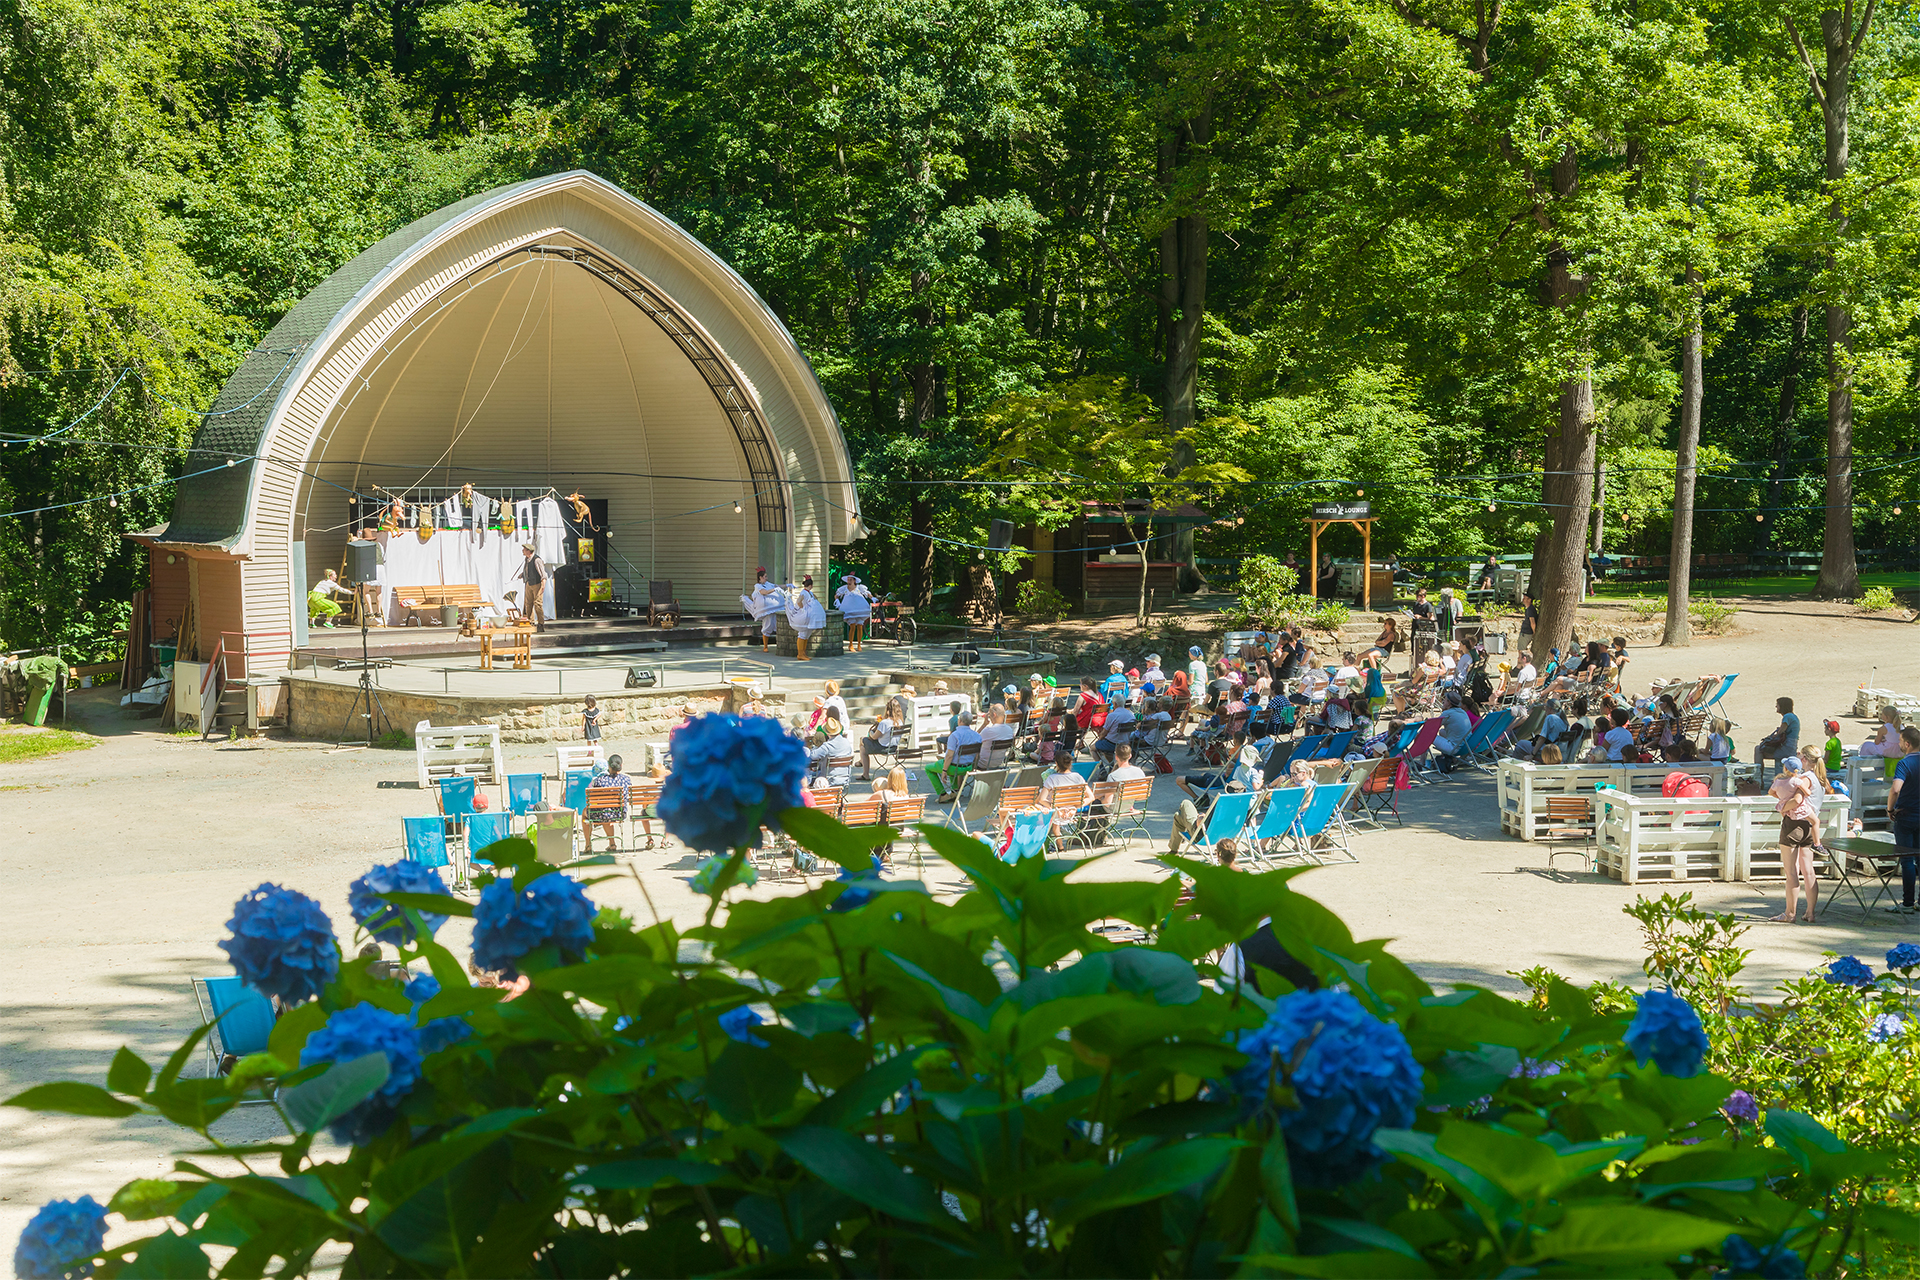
(480, 556)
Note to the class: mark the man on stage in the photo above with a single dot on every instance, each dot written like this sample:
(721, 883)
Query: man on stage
(534, 574)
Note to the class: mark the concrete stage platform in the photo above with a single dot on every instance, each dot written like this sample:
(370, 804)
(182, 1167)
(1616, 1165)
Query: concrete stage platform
(544, 704)
(563, 635)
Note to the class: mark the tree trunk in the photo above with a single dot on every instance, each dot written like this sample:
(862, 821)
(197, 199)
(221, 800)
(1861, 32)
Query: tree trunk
(1572, 452)
(1784, 414)
(1183, 303)
(920, 381)
(1685, 466)
(1839, 570)
(1599, 506)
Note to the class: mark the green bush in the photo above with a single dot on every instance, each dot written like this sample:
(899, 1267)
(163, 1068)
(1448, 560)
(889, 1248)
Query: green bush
(1329, 615)
(1646, 610)
(1876, 599)
(1266, 587)
(857, 1079)
(1039, 599)
(1710, 615)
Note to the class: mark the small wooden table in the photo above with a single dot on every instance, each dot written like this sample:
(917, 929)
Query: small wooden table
(516, 642)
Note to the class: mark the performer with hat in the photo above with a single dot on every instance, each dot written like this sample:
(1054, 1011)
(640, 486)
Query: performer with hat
(855, 603)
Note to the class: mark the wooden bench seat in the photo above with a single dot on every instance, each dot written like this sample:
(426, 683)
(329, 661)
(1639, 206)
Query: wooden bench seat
(465, 596)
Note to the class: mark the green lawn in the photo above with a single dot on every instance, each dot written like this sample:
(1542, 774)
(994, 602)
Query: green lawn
(31, 744)
(1784, 584)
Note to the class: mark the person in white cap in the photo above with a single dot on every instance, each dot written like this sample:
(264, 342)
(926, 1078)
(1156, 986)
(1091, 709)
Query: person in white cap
(1153, 675)
(855, 603)
(1114, 687)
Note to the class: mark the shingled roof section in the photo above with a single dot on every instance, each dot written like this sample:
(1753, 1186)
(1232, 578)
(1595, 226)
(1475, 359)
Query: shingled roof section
(212, 509)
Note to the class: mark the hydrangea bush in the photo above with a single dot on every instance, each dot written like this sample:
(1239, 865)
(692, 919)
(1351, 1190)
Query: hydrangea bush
(990, 1085)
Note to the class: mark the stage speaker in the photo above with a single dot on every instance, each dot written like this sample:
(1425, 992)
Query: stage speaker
(641, 677)
(363, 561)
(1000, 535)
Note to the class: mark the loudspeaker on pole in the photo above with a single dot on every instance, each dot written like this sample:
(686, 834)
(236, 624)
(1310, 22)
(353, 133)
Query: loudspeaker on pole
(1000, 535)
(363, 561)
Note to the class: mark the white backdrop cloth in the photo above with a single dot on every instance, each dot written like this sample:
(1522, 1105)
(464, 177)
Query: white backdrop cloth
(452, 557)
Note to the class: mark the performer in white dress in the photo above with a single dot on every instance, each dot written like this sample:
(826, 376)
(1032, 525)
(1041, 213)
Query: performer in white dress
(765, 604)
(805, 614)
(856, 603)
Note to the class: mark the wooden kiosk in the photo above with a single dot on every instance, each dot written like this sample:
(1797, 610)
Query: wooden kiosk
(1360, 516)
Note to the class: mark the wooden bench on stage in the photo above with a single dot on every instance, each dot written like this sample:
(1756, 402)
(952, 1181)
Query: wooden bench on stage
(463, 595)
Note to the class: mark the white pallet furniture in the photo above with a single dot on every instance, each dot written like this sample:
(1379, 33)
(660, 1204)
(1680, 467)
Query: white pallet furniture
(1867, 785)
(1523, 787)
(930, 716)
(1700, 838)
(569, 756)
(458, 751)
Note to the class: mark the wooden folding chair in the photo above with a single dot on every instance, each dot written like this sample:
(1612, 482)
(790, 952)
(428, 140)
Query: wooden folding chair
(827, 799)
(1568, 817)
(1012, 801)
(608, 798)
(1130, 817)
(902, 815)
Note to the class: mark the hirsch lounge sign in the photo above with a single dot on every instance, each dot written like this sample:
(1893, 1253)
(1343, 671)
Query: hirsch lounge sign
(1342, 510)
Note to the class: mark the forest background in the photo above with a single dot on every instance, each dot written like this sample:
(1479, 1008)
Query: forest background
(1454, 252)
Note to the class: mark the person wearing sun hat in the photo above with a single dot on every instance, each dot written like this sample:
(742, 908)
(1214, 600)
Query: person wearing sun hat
(1196, 670)
(1114, 688)
(855, 603)
(1152, 671)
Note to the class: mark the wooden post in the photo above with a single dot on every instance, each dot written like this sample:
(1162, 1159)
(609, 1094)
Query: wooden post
(1366, 566)
(1313, 558)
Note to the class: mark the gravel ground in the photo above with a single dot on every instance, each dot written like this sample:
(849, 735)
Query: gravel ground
(126, 859)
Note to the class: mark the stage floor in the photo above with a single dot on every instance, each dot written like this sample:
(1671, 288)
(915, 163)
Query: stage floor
(557, 674)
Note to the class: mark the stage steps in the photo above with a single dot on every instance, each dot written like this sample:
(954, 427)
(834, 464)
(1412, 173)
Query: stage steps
(865, 696)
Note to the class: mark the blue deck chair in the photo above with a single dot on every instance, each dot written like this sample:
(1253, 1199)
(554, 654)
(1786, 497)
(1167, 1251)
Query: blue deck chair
(427, 841)
(1321, 817)
(1276, 820)
(1721, 692)
(485, 829)
(1085, 769)
(525, 790)
(1333, 745)
(245, 1020)
(1480, 743)
(1031, 827)
(456, 802)
(574, 795)
(1230, 814)
(1406, 740)
(1304, 749)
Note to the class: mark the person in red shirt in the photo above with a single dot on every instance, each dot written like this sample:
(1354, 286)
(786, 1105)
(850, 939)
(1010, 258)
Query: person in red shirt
(1091, 711)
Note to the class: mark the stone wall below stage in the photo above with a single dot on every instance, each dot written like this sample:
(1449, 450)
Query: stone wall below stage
(318, 709)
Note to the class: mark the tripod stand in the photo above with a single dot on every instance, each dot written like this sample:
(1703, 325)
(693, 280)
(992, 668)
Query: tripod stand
(375, 714)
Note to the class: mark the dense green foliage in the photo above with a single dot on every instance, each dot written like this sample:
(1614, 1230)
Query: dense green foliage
(1377, 240)
(990, 1086)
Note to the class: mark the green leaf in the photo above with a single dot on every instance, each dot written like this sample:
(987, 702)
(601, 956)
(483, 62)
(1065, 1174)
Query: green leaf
(291, 1030)
(750, 1085)
(456, 1002)
(1276, 1184)
(607, 981)
(1167, 978)
(177, 1061)
(168, 1257)
(1149, 1176)
(320, 1102)
(1624, 1234)
(1488, 1202)
(1526, 1168)
(858, 1168)
(145, 1198)
(860, 1098)
(439, 904)
(1343, 1266)
(643, 1174)
(832, 839)
(818, 1017)
(958, 1003)
(70, 1097)
(1455, 1078)
(128, 1073)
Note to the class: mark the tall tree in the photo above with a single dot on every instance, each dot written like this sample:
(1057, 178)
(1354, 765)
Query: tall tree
(1832, 84)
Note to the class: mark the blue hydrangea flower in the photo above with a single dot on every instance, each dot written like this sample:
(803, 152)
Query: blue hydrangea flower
(507, 925)
(353, 1033)
(1777, 1263)
(1849, 972)
(739, 1022)
(1904, 956)
(729, 777)
(382, 919)
(856, 897)
(1741, 1106)
(64, 1233)
(1355, 1075)
(1885, 1027)
(282, 944)
(1533, 1069)
(707, 874)
(1667, 1030)
(422, 989)
(441, 1033)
